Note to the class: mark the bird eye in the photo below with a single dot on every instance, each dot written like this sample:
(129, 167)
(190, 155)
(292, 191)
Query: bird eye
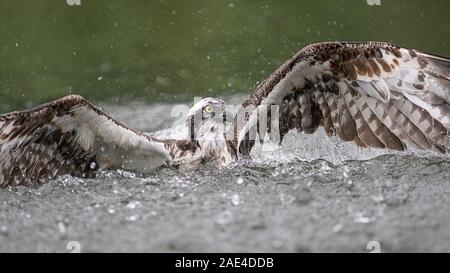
(208, 109)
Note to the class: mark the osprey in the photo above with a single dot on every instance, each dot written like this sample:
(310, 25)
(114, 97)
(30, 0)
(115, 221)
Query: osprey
(374, 94)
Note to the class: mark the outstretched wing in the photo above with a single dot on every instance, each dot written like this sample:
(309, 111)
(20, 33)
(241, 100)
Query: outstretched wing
(374, 94)
(70, 136)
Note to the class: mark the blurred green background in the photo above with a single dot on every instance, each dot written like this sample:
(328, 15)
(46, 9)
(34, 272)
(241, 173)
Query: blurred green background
(172, 50)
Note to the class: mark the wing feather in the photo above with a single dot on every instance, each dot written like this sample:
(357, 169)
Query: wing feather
(326, 113)
(70, 136)
(396, 122)
(377, 127)
(433, 130)
(374, 94)
(365, 134)
(346, 121)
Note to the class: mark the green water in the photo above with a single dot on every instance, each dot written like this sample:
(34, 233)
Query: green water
(173, 50)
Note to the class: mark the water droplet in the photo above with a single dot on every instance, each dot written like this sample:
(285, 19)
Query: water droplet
(93, 165)
(361, 219)
(240, 181)
(100, 78)
(62, 227)
(3, 229)
(133, 204)
(235, 200)
(338, 227)
(132, 218)
(345, 171)
(377, 198)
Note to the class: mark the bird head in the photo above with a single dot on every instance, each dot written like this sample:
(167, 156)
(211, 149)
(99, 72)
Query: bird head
(208, 111)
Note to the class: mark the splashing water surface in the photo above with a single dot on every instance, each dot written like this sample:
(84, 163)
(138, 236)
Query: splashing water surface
(311, 194)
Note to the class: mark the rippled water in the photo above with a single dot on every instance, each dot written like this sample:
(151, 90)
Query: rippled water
(312, 194)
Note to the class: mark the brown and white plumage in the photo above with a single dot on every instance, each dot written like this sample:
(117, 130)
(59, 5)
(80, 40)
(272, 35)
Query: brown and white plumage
(375, 94)
(72, 136)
